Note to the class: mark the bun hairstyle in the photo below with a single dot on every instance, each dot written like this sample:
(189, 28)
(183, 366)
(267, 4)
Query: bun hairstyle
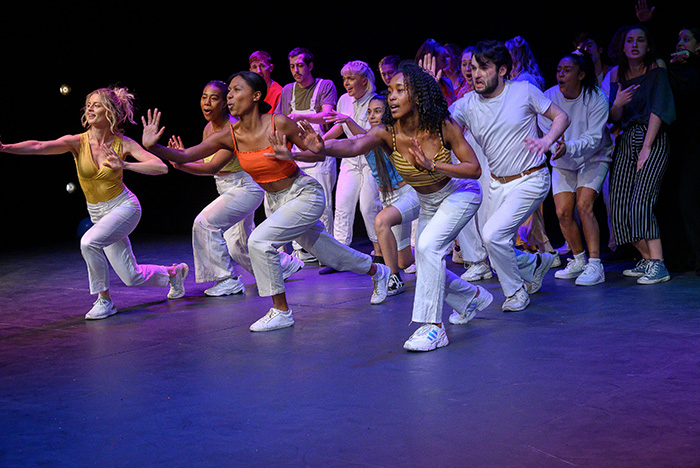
(119, 106)
(583, 60)
(257, 83)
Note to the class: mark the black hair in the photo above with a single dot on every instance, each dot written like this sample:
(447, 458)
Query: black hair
(257, 83)
(380, 155)
(427, 96)
(583, 60)
(495, 52)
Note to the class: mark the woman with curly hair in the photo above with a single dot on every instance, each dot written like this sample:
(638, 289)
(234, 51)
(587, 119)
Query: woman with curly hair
(418, 135)
(100, 158)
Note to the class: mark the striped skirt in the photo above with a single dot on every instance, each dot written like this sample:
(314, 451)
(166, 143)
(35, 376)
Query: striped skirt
(633, 193)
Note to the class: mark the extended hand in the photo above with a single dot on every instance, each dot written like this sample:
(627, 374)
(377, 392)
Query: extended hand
(309, 137)
(422, 161)
(151, 131)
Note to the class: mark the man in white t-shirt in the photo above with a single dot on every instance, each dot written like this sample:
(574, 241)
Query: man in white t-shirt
(502, 117)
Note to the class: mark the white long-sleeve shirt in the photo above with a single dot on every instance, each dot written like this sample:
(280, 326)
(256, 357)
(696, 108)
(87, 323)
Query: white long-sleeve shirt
(587, 137)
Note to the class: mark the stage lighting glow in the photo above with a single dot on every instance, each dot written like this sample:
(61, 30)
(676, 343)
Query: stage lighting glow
(65, 89)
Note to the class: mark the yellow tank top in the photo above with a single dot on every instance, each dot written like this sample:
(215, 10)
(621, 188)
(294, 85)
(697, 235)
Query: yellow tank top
(99, 184)
(412, 175)
(232, 166)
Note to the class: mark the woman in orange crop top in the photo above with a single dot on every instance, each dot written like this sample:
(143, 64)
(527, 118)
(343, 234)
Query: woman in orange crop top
(420, 137)
(220, 231)
(294, 200)
(100, 157)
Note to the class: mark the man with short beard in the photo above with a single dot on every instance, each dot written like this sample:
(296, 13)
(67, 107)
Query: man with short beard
(502, 116)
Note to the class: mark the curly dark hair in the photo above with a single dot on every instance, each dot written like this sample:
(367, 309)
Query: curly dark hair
(426, 95)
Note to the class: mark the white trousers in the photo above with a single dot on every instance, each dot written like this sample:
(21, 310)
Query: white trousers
(443, 215)
(325, 172)
(355, 183)
(510, 204)
(293, 214)
(220, 231)
(471, 242)
(107, 243)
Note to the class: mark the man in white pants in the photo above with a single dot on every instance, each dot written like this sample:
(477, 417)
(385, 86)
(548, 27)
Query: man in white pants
(311, 99)
(502, 117)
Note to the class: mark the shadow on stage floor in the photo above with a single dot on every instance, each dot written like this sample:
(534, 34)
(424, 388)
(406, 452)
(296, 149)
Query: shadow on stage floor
(606, 376)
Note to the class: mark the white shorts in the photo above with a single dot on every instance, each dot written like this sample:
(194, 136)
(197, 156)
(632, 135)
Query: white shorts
(590, 175)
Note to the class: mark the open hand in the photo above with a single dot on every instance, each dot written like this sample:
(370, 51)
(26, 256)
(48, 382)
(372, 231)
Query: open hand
(312, 140)
(151, 131)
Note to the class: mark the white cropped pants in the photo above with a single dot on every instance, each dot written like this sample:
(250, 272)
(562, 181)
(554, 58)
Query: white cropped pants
(107, 243)
(443, 215)
(293, 214)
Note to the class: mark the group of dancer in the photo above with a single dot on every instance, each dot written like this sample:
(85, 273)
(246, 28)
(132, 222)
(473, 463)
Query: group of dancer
(442, 158)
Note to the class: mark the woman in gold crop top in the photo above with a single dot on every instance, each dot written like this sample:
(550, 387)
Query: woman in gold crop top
(419, 135)
(220, 231)
(100, 157)
(294, 202)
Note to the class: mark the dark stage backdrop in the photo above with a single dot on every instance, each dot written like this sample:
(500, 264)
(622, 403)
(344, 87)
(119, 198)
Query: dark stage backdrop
(165, 54)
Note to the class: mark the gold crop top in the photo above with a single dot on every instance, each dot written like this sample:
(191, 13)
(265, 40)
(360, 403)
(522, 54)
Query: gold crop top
(419, 177)
(99, 184)
(232, 166)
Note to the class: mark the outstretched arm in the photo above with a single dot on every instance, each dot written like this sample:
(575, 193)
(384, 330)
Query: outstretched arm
(65, 144)
(152, 132)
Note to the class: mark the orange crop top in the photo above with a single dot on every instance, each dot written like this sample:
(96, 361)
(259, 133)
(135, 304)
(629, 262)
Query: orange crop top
(263, 169)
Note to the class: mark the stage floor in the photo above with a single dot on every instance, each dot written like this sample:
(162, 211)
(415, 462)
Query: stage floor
(607, 376)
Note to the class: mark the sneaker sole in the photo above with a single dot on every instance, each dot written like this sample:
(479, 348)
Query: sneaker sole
(590, 283)
(511, 309)
(100, 317)
(457, 319)
(655, 281)
(278, 327)
(240, 290)
(437, 344)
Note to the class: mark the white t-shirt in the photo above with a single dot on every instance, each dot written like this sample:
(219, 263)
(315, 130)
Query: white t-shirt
(502, 123)
(587, 137)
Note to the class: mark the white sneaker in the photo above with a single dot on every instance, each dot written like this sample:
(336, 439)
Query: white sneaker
(574, 267)
(481, 301)
(293, 265)
(102, 308)
(177, 282)
(427, 338)
(411, 269)
(593, 274)
(274, 319)
(305, 256)
(556, 263)
(380, 281)
(230, 285)
(517, 302)
(546, 260)
(477, 271)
